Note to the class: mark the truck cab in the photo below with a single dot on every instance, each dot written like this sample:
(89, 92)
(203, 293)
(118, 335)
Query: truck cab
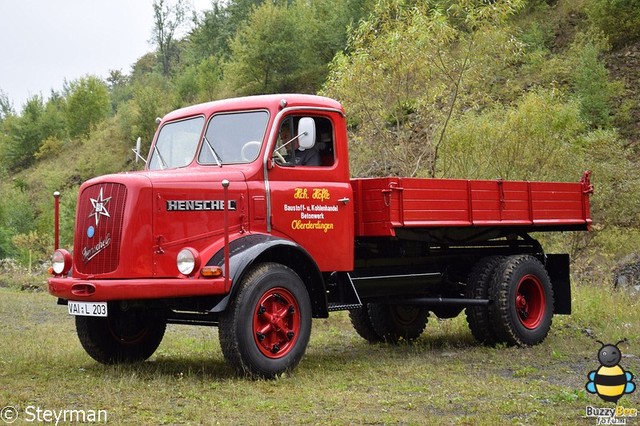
(135, 225)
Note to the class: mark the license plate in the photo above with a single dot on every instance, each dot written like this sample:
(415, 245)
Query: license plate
(87, 309)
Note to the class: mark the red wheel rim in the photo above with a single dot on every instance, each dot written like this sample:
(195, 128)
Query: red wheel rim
(530, 301)
(276, 323)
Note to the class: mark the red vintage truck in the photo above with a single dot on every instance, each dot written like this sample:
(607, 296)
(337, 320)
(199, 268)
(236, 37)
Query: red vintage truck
(227, 226)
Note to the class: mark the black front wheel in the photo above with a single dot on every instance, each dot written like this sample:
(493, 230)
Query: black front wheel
(125, 336)
(265, 330)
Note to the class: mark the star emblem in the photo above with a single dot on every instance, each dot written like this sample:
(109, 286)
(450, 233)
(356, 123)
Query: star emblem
(99, 207)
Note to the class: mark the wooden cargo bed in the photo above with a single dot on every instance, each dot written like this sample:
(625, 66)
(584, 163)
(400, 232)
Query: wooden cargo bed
(384, 204)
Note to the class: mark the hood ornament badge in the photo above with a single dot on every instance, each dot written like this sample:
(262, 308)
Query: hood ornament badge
(99, 207)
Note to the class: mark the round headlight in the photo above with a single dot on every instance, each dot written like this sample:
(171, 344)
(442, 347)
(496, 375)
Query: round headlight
(187, 261)
(61, 262)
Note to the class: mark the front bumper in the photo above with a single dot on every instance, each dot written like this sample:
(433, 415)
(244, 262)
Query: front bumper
(134, 289)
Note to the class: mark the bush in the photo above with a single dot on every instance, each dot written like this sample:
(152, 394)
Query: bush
(615, 176)
(88, 104)
(14, 275)
(532, 140)
(453, 60)
(590, 82)
(618, 19)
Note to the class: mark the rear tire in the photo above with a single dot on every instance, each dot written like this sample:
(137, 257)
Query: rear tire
(362, 324)
(123, 337)
(265, 330)
(478, 286)
(522, 308)
(394, 323)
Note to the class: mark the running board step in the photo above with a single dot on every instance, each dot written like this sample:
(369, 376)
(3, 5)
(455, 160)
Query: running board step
(333, 307)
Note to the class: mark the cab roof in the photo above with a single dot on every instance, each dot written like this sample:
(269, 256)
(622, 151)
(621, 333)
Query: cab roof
(270, 102)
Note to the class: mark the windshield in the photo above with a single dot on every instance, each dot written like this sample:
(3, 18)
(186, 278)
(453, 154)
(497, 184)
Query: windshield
(177, 143)
(233, 138)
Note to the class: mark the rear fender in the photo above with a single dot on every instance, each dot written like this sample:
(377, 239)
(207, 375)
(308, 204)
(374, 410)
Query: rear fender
(557, 266)
(252, 249)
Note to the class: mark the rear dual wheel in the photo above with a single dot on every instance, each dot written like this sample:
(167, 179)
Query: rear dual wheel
(522, 308)
(478, 286)
(521, 300)
(361, 323)
(390, 323)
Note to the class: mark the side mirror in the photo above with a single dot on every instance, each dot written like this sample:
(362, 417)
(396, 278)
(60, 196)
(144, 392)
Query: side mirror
(306, 133)
(136, 151)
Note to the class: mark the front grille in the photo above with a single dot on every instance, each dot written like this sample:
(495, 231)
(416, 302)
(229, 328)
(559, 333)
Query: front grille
(99, 228)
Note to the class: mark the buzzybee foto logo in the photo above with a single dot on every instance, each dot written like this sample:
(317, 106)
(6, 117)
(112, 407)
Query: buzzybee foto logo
(610, 382)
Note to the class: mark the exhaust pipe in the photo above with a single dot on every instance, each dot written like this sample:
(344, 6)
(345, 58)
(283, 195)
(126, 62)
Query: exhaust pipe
(56, 219)
(227, 272)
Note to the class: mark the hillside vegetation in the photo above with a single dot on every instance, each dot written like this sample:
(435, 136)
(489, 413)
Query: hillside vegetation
(442, 88)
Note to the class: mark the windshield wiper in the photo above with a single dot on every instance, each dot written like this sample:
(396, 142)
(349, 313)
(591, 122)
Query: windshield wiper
(162, 162)
(213, 151)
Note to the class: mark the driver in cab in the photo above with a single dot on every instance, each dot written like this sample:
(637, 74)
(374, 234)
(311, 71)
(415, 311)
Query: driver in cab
(301, 156)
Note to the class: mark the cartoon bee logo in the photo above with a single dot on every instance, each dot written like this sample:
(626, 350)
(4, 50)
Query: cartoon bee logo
(610, 381)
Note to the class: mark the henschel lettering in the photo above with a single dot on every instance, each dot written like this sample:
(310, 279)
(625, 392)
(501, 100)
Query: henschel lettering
(199, 205)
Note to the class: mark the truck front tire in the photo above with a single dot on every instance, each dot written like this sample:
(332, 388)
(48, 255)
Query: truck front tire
(266, 328)
(123, 337)
(522, 307)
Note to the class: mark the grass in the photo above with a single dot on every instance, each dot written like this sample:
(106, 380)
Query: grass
(444, 378)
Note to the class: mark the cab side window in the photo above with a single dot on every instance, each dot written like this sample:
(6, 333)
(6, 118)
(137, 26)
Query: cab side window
(288, 151)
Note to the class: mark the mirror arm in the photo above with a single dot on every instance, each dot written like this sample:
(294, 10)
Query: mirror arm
(139, 156)
(292, 139)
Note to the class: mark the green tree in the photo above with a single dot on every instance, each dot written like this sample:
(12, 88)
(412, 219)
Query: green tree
(32, 247)
(88, 103)
(143, 67)
(616, 175)
(590, 81)
(168, 19)
(119, 85)
(24, 134)
(216, 27)
(18, 216)
(6, 107)
(533, 139)
(152, 99)
(286, 46)
(265, 55)
(618, 19)
(201, 82)
(413, 68)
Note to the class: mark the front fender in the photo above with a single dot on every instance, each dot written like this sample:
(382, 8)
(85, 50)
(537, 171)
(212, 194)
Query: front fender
(252, 249)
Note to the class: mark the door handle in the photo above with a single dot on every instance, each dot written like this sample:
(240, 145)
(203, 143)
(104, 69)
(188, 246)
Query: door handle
(344, 200)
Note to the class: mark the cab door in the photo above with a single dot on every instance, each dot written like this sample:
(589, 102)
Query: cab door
(313, 204)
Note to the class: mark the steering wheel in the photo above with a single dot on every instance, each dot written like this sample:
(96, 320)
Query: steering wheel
(247, 148)
(277, 154)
